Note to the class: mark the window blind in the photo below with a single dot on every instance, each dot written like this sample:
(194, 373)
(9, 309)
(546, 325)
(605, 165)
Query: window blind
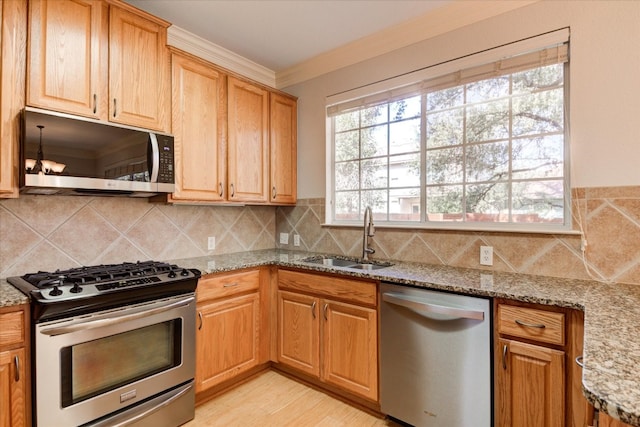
(555, 51)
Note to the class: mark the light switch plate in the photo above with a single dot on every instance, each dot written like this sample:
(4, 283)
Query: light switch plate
(284, 238)
(211, 243)
(486, 255)
(296, 240)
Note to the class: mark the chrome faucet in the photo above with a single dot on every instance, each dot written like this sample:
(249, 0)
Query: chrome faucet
(368, 231)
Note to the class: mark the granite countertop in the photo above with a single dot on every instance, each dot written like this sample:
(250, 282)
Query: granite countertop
(611, 381)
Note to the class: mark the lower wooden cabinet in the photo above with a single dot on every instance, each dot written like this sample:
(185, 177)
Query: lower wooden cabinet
(531, 385)
(538, 382)
(230, 325)
(327, 331)
(605, 420)
(14, 367)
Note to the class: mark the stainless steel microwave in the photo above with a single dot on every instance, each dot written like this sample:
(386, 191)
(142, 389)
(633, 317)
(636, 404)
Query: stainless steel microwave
(64, 154)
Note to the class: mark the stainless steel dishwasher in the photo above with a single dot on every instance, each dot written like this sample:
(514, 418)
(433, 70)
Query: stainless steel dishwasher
(435, 357)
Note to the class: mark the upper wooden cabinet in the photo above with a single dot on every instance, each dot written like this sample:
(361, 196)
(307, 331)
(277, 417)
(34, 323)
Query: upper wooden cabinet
(248, 157)
(199, 110)
(68, 54)
(139, 83)
(283, 141)
(13, 41)
(262, 141)
(99, 59)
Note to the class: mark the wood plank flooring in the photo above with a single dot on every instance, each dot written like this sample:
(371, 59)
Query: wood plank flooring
(272, 399)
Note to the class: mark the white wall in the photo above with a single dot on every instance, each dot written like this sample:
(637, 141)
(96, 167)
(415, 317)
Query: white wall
(604, 85)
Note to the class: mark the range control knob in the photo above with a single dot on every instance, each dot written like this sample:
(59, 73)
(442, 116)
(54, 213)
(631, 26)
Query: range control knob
(184, 272)
(76, 289)
(55, 291)
(171, 274)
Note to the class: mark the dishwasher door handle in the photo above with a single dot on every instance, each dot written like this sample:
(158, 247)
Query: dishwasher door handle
(417, 304)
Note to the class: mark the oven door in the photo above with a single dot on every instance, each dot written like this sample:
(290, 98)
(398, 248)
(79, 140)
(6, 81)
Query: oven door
(90, 366)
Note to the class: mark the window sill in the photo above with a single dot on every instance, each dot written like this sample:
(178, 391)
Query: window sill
(467, 228)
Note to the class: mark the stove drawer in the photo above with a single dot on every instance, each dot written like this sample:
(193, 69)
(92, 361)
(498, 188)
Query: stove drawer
(223, 285)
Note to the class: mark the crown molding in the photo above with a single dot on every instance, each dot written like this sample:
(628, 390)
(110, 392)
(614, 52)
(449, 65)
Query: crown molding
(454, 15)
(220, 56)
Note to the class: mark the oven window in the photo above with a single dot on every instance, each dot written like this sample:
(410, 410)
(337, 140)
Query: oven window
(95, 367)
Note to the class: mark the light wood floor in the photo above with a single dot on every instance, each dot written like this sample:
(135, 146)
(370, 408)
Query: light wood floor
(275, 400)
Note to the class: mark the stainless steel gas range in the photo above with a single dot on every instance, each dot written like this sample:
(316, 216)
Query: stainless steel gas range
(113, 344)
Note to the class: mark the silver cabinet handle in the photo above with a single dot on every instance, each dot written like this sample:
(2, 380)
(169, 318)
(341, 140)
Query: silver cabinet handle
(114, 107)
(324, 311)
(313, 309)
(233, 190)
(273, 192)
(530, 325)
(221, 192)
(95, 103)
(16, 362)
(505, 348)
(230, 285)
(580, 361)
(200, 319)
(424, 307)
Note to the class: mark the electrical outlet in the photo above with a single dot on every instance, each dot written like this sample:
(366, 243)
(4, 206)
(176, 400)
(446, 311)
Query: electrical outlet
(296, 240)
(211, 243)
(486, 255)
(284, 238)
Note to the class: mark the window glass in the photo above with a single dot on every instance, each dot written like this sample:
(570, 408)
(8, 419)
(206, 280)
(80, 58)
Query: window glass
(487, 151)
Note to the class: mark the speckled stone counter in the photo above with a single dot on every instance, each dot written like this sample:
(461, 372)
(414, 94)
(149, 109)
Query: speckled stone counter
(611, 375)
(10, 296)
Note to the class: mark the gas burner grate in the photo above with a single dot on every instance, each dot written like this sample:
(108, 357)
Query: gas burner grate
(98, 273)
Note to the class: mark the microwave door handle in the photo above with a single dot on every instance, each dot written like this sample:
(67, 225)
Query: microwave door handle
(155, 157)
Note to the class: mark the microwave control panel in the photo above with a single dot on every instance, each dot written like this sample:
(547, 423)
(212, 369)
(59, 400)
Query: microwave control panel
(166, 169)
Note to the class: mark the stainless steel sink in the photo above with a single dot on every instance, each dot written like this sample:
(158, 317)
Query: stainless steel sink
(347, 263)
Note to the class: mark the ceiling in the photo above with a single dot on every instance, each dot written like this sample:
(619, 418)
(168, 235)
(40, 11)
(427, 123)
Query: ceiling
(279, 34)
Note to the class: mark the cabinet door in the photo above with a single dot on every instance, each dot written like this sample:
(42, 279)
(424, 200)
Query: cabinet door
(283, 142)
(139, 71)
(227, 340)
(199, 106)
(68, 56)
(248, 156)
(530, 385)
(299, 332)
(13, 40)
(13, 390)
(605, 420)
(350, 344)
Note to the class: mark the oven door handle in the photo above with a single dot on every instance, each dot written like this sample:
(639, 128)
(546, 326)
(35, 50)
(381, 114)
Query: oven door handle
(99, 323)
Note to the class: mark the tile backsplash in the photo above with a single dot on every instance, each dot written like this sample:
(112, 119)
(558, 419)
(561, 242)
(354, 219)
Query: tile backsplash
(610, 218)
(48, 232)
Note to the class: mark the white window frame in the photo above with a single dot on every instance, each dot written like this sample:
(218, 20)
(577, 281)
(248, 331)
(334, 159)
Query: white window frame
(407, 84)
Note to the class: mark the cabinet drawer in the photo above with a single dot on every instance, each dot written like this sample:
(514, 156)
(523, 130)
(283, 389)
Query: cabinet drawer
(539, 325)
(12, 328)
(357, 291)
(212, 287)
